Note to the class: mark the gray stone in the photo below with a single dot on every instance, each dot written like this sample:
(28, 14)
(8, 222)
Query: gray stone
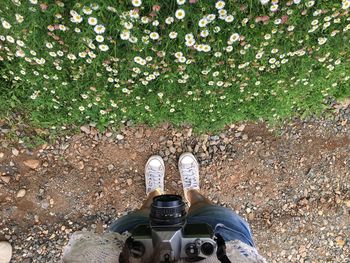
(85, 129)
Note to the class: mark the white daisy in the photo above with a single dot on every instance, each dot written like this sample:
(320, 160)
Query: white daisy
(6, 24)
(199, 47)
(273, 8)
(181, 2)
(219, 5)
(125, 35)
(204, 33)
(145, 39)
(92, 21)
(137, 59)
(211, 17)
(217, 29)
(94, 6)
(99, 29)
(229, 18)
(314, 22)
(178, 54)
(278, 21)
(10, 39)
(322, 40)
(19, 18)
(180, 14)
(128, 25)
(49, 45)
(259, 55)
(82, 54)
(154, 35)
(134, 14)
(87, 10)
(345, 4)
(310, 3)
(144, 20)
(182, 59)
(206, 48)
(77, 18)
(20, 43)
(264, 2)
(136, 3)
(103, 47)
(203, 22)
(169, 20)
(222, 13)
(189, 36)
(173, 35)
(290, 28)
(133, 39)
(190, 42)
(234, 37)
(20, 53)
(99, 38)
(272, 60)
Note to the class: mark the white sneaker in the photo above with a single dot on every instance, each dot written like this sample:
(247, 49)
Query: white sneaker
(154, 174)
(189, 171)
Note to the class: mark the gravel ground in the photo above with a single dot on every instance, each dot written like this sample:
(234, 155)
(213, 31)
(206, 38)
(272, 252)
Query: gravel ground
(291, 184)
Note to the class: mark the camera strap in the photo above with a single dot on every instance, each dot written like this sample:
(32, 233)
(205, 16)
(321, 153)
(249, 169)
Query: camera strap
(221, 249)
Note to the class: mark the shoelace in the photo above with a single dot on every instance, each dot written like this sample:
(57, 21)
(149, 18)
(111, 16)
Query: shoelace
(154, 178)
(189, 176)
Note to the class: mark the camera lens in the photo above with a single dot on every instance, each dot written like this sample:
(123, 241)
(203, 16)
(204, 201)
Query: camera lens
(168, 210)
(207, 248)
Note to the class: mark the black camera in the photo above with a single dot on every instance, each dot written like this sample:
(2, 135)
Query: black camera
(168, 237)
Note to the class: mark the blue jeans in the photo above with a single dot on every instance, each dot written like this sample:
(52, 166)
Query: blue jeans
(223, 220)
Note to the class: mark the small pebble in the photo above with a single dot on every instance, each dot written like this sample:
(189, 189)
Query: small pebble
(120, 137)
(21, 193)
(15, 152)
(5, 252)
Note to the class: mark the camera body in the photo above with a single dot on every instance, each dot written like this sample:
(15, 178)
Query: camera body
(168, 237)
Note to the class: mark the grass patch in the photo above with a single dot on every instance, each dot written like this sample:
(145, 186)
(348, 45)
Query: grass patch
(245, 61)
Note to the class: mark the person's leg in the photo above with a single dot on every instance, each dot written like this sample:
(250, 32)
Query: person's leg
(138, 217)
(146, 206)
(196, 200)
(222, 220)
(154, 180)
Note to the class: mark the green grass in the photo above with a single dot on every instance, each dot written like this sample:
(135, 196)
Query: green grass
(295, 88)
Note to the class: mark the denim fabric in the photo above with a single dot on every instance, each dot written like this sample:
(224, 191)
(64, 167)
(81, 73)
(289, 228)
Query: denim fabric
(223, 220)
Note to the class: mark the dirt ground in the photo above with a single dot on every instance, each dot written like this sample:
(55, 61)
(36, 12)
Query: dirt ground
(291, 185)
